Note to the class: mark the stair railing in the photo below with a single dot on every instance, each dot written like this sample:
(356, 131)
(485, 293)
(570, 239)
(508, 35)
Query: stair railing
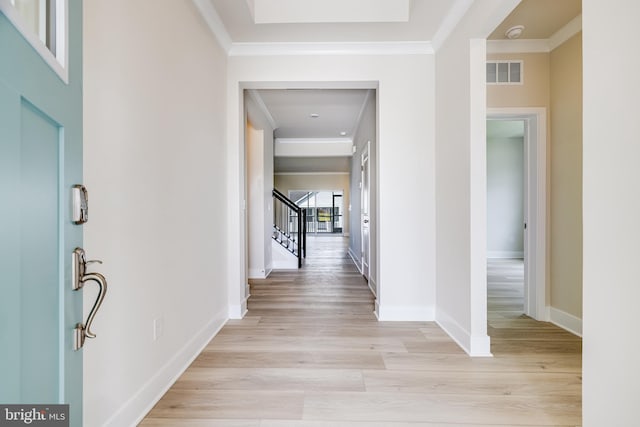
(290, 225)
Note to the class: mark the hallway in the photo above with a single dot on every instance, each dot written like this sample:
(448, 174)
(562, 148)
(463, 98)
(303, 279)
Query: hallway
(311, 353)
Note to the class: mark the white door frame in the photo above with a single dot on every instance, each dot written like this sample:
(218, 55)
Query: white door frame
(365, 268)
(535, 210)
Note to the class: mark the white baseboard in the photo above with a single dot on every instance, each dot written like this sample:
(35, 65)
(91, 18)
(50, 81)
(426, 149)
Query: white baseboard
(257, 273)
(137, 407)
(356, 260)
(238, 311)
(404, 313)
(505, 254)
(475, 346)
(566, 321)
(376, 310)
(373, 286)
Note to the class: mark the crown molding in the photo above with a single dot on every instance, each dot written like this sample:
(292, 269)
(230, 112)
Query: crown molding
(450, 22)
(518, 46)
(333, 48)
(572, 28)
(310, 173)
(213, 20)
(313, 140)
(565, 33)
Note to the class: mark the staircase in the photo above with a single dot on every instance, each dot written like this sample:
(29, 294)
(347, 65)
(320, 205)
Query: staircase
(289, 225)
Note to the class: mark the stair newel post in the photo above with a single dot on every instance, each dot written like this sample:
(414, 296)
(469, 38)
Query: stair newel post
(299, 216)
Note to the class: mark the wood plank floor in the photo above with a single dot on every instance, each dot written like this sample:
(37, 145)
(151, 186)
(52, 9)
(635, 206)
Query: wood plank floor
(310, 353)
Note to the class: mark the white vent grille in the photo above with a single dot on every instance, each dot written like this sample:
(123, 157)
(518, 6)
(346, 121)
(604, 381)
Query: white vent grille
(504, 72)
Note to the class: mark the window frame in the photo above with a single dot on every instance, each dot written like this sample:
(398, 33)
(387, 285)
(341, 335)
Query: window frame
(58, 62)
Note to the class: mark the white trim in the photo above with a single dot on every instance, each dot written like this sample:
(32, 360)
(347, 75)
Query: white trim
(313, 140)
(213, 20)
(355, 259)
(331, 48)
(373, 286)
(136, 408)
(518, 46)
(312, 173)
(450, 22)
(572, 28)
(536, 210)
(255, 273)
(505, 254)
(60, 64)
(360, 117)
(474, 346)
(238, 311)
(255, 95)
(376, 309)
(387, 313)
(566, 321)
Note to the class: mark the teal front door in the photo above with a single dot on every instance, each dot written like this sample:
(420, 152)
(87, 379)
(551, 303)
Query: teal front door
(40, 161)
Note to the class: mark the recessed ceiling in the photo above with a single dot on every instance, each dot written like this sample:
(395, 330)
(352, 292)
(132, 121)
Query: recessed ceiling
(328, 11)
(425, 19)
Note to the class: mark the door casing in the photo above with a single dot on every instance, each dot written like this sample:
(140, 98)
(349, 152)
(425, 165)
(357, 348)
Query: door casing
(535, 210)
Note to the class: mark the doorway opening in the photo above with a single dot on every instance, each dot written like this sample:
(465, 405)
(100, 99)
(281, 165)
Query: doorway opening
(506, 196)
(511, 188)
(307, 141)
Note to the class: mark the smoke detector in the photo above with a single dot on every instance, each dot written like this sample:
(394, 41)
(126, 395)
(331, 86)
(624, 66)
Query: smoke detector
(514, 32)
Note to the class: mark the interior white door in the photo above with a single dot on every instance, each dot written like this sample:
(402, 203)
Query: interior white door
(364, 213)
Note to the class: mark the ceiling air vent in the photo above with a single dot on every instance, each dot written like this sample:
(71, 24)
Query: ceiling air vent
(504, 72)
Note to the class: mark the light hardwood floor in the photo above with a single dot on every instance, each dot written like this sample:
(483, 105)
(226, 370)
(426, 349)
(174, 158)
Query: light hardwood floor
(310, 353)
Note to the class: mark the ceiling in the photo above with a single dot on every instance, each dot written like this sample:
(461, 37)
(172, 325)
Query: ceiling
(332, 21)
(314, 113)
(321, 115)
(541, 18)
(425, 19)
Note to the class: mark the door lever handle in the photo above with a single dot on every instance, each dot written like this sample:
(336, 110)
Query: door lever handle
(80, 278)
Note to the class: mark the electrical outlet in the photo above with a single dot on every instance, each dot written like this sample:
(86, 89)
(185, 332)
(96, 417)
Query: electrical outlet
(158, 328)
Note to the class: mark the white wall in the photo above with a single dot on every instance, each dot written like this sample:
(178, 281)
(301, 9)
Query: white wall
(461, 176)
(366, 132)
(155, 168)
(259, 145)
(505, 196)
(611, 209)
(405, 164)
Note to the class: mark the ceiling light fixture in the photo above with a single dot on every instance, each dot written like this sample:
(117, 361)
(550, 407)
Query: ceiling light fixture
(514, 32)
(343, 133)
(314, 115)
